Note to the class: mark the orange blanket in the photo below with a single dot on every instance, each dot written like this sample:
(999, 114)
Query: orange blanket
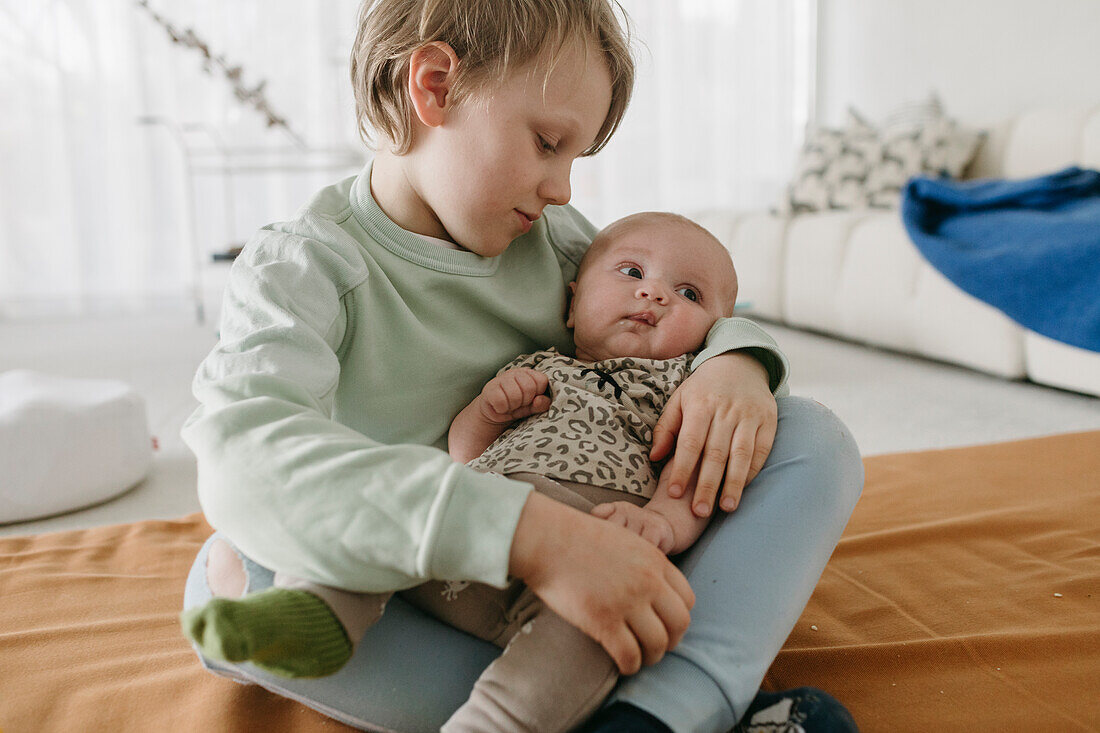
(965, 595)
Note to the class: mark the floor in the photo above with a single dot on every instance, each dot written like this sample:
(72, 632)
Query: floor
(890, 401)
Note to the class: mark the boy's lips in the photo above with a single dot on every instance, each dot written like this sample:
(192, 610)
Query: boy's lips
(526, 219)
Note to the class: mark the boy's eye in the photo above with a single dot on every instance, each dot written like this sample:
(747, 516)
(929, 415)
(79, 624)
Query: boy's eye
(546, 145)
(689, 293)
(631, 271)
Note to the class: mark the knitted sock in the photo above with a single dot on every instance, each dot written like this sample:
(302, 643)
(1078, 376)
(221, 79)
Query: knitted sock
(622, 717)
(801, 709)
(290, 633)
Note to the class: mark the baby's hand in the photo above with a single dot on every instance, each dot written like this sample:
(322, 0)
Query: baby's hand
(515, 394)
(646, 523)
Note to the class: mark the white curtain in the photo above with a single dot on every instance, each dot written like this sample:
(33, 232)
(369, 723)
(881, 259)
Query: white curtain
(723, 95)
(98, 210)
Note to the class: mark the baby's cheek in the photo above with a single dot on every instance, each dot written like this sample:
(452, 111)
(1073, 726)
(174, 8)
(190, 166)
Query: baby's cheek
(696, 333)
(678, 341)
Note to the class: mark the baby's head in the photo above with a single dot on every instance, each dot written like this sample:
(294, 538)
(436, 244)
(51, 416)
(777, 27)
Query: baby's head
(651, 286)
(480, 108)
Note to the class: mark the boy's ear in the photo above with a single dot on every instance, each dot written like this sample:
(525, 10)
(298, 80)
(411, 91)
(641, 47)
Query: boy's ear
(571, 297)
(432, 70)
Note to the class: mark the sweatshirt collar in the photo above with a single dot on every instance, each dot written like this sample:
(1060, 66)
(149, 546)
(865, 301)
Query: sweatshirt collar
(407, 245)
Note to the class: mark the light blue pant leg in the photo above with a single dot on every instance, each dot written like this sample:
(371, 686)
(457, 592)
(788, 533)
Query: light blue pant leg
(753, 572)
(409, 673)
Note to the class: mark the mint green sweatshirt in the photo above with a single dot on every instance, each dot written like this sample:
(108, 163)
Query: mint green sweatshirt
(347, 347)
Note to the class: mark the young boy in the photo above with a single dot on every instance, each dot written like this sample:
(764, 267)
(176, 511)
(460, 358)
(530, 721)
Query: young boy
(352, 335)
(648, 291)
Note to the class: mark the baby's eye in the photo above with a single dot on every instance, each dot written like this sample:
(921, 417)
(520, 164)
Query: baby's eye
(546, 145)
(631, 271)
(689, 293)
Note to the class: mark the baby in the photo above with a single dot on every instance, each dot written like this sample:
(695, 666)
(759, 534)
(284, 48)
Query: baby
(579, 429)
(647, 292)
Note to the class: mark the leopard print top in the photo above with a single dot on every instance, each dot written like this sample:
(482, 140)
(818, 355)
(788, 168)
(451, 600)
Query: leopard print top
(599, 427)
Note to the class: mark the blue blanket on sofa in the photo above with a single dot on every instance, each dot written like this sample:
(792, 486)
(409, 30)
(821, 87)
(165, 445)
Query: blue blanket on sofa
(1030, 248)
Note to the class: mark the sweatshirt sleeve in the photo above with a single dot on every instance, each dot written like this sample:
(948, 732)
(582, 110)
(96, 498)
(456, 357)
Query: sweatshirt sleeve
(298, 491)
(735, 334)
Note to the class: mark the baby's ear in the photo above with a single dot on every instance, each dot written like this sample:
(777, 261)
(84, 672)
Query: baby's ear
(570, 298)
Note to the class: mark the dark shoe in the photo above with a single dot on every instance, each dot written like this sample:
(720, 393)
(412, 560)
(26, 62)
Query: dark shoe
(801, 710)
(622, 717)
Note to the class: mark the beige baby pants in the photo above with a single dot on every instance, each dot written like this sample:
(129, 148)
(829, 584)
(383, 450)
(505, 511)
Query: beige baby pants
(550, 676)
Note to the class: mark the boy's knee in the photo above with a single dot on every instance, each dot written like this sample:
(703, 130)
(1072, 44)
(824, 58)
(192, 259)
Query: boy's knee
(225, 572)
(816, 436)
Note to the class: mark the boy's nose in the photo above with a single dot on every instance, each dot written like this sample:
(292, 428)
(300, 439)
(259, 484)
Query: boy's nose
(654, 291)
(555, 188)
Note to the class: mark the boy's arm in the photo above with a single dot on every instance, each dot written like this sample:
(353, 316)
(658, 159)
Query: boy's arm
(298, 491)
(723, 417)
(745, 338)
(510, 396)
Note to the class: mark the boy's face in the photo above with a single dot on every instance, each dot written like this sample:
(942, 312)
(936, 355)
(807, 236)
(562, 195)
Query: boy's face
(502, 155)
(653, 292)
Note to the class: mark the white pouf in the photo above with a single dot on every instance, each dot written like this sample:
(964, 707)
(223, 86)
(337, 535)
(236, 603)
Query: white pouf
(67, 443)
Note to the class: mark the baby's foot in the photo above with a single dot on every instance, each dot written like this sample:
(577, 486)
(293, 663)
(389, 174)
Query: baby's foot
(290, 633)
(646, 523)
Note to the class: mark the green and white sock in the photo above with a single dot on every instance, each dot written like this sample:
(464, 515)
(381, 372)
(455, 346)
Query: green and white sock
(291, 633)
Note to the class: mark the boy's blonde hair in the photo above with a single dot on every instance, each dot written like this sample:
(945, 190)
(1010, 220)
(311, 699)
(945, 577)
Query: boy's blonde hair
(490, 37)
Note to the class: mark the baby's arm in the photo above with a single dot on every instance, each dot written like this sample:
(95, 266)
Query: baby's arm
(666, 522)
(510, 396)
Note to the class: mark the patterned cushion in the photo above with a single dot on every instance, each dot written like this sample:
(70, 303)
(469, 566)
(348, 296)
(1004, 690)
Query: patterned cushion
(912, 115)
(862, 166)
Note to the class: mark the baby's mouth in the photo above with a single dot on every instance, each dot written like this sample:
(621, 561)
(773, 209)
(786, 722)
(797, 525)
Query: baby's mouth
(644, 317)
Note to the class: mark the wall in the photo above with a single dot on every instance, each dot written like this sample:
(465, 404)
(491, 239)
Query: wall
(988, 59)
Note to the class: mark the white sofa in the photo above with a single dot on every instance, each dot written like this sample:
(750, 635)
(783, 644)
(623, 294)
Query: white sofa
(855, 274)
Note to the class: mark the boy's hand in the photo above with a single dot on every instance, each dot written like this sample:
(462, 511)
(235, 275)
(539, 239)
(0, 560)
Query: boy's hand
(646, 523)
(513, 395)
(722, 419)
(609, 583)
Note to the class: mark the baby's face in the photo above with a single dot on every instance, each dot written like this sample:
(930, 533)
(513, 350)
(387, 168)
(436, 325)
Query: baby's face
(653, 291)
